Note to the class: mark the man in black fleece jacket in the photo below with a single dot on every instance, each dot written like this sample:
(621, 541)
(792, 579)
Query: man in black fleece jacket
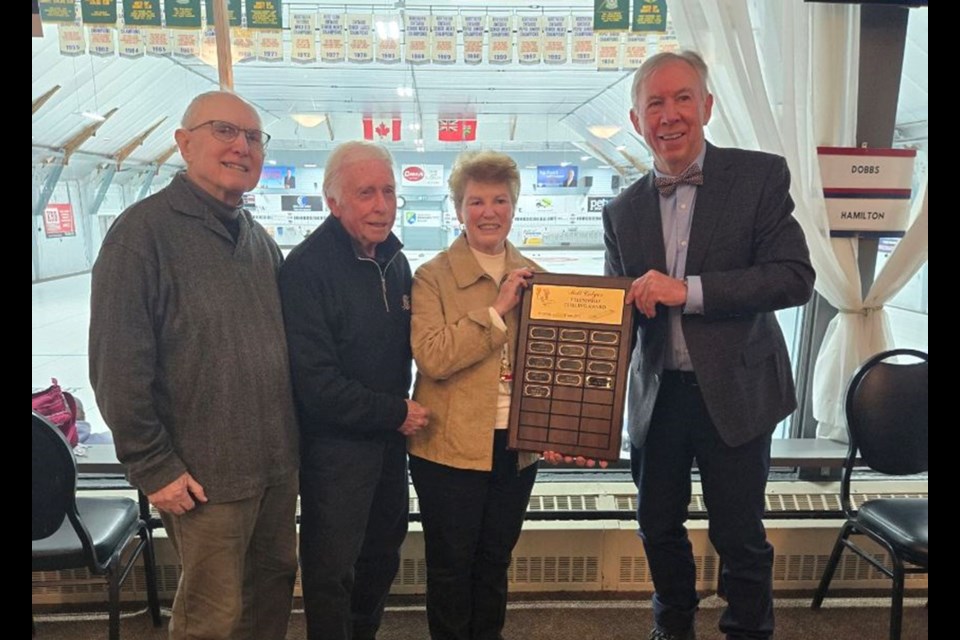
(346, 304)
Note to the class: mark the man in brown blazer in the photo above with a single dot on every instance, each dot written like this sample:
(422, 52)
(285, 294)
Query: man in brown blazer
(710, 238)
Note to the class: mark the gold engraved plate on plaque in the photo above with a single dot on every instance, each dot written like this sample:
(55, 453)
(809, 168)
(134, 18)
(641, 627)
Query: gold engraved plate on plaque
(573, 335)
(569, 379)
(604, 337)
(595, 305)
(602, 367)
(603, 353)
(541, 377)
(600, 382)
(567, 364)
(572, 350)
(541, 347)
(536, 391)
(543, 333)
(542, 362)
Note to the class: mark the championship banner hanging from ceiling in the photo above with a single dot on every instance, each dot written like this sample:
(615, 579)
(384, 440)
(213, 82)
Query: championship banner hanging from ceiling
(583, 43)
(443, 36)
(417, 37)
(500, 39)
(58, 11)
(332, 40)
(130, 42)
(472, 39)
(555, 39)
(184, 14)
(530, 39)
(303, 46)
(388, 39)
(264, 14)
(359, 37)
(141, 13)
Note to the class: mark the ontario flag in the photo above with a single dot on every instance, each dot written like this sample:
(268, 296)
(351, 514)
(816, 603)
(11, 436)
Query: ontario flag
(457, 129)
(382, 129)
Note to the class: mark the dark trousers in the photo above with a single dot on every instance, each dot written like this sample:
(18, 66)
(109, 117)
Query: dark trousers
(471, 522)
(354, 503)
(734, 483)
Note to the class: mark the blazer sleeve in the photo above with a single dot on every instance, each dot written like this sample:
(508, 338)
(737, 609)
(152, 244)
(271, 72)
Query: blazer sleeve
(780, 274)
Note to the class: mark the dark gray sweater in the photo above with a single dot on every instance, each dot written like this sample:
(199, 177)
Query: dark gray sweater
(188, 357)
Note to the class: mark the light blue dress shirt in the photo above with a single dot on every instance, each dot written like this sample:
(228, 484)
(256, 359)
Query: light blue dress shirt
(676, 218)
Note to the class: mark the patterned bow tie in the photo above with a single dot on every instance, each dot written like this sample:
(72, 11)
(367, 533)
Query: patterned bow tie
(692, 175)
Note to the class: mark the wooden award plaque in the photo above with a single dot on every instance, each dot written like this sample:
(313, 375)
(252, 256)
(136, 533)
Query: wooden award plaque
(570, 371)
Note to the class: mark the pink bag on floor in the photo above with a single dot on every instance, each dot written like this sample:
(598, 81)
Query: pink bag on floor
(59, 408)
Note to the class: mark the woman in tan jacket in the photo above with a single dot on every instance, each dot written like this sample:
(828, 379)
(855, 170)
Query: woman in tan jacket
(473, 492)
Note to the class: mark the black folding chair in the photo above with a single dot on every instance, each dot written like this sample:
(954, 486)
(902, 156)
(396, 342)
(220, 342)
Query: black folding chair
(92, 532)
(886, 409)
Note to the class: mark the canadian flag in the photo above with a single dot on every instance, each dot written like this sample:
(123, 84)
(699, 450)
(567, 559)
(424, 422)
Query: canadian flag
(457, 129)
(381, 129)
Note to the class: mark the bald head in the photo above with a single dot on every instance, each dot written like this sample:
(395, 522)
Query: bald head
(213, 101)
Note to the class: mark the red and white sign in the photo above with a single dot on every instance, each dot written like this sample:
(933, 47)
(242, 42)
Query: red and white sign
(867, 191)
(382, 129)
(421, 175)
(58, 221)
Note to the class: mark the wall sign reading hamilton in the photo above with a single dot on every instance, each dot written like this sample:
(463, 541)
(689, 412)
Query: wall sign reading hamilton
(867, 191)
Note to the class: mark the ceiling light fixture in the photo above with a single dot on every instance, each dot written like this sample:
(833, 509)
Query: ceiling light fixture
(308, 120)
(96, 117)
(604, 131)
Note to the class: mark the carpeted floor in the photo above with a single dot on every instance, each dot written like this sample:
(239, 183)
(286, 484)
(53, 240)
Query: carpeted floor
(840, 619)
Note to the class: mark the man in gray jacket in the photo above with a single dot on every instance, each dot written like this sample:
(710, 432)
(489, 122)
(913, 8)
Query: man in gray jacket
(188, 359)
(710, 237)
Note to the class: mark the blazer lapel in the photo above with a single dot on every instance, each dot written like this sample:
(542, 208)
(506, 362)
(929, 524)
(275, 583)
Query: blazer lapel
(712, 204)
(645, 228)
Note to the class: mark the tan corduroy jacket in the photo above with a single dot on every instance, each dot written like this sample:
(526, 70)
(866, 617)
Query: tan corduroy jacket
(457, 350)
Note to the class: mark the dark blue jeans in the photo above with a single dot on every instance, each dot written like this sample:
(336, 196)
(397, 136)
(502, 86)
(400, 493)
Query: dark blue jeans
(471, 522)
(734, 481)
(354, 506)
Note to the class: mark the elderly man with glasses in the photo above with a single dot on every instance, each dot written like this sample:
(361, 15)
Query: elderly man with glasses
(189, 362)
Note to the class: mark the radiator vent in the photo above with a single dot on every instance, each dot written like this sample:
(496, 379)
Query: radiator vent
(586, 502)
(412, 573)
(635, 571)
(601, 555)
(554, 570)
(781, 502)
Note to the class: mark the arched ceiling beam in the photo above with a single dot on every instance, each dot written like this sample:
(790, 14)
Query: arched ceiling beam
(42, 99)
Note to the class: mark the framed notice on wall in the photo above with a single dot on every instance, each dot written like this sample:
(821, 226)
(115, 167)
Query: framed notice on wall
(570, 372)
(58, 221)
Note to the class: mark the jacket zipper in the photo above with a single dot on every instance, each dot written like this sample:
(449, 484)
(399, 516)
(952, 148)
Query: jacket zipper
(383, 277)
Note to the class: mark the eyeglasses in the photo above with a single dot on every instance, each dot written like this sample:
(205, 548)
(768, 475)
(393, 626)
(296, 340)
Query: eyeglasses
(227, 132)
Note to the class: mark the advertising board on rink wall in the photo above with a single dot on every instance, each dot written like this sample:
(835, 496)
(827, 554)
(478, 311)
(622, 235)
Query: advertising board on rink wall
(867, 191)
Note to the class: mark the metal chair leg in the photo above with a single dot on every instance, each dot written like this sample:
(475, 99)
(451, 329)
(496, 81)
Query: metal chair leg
(150, 573)
(896, 606)
(831, 566)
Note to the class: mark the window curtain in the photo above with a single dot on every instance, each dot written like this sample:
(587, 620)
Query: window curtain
(784, 78)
